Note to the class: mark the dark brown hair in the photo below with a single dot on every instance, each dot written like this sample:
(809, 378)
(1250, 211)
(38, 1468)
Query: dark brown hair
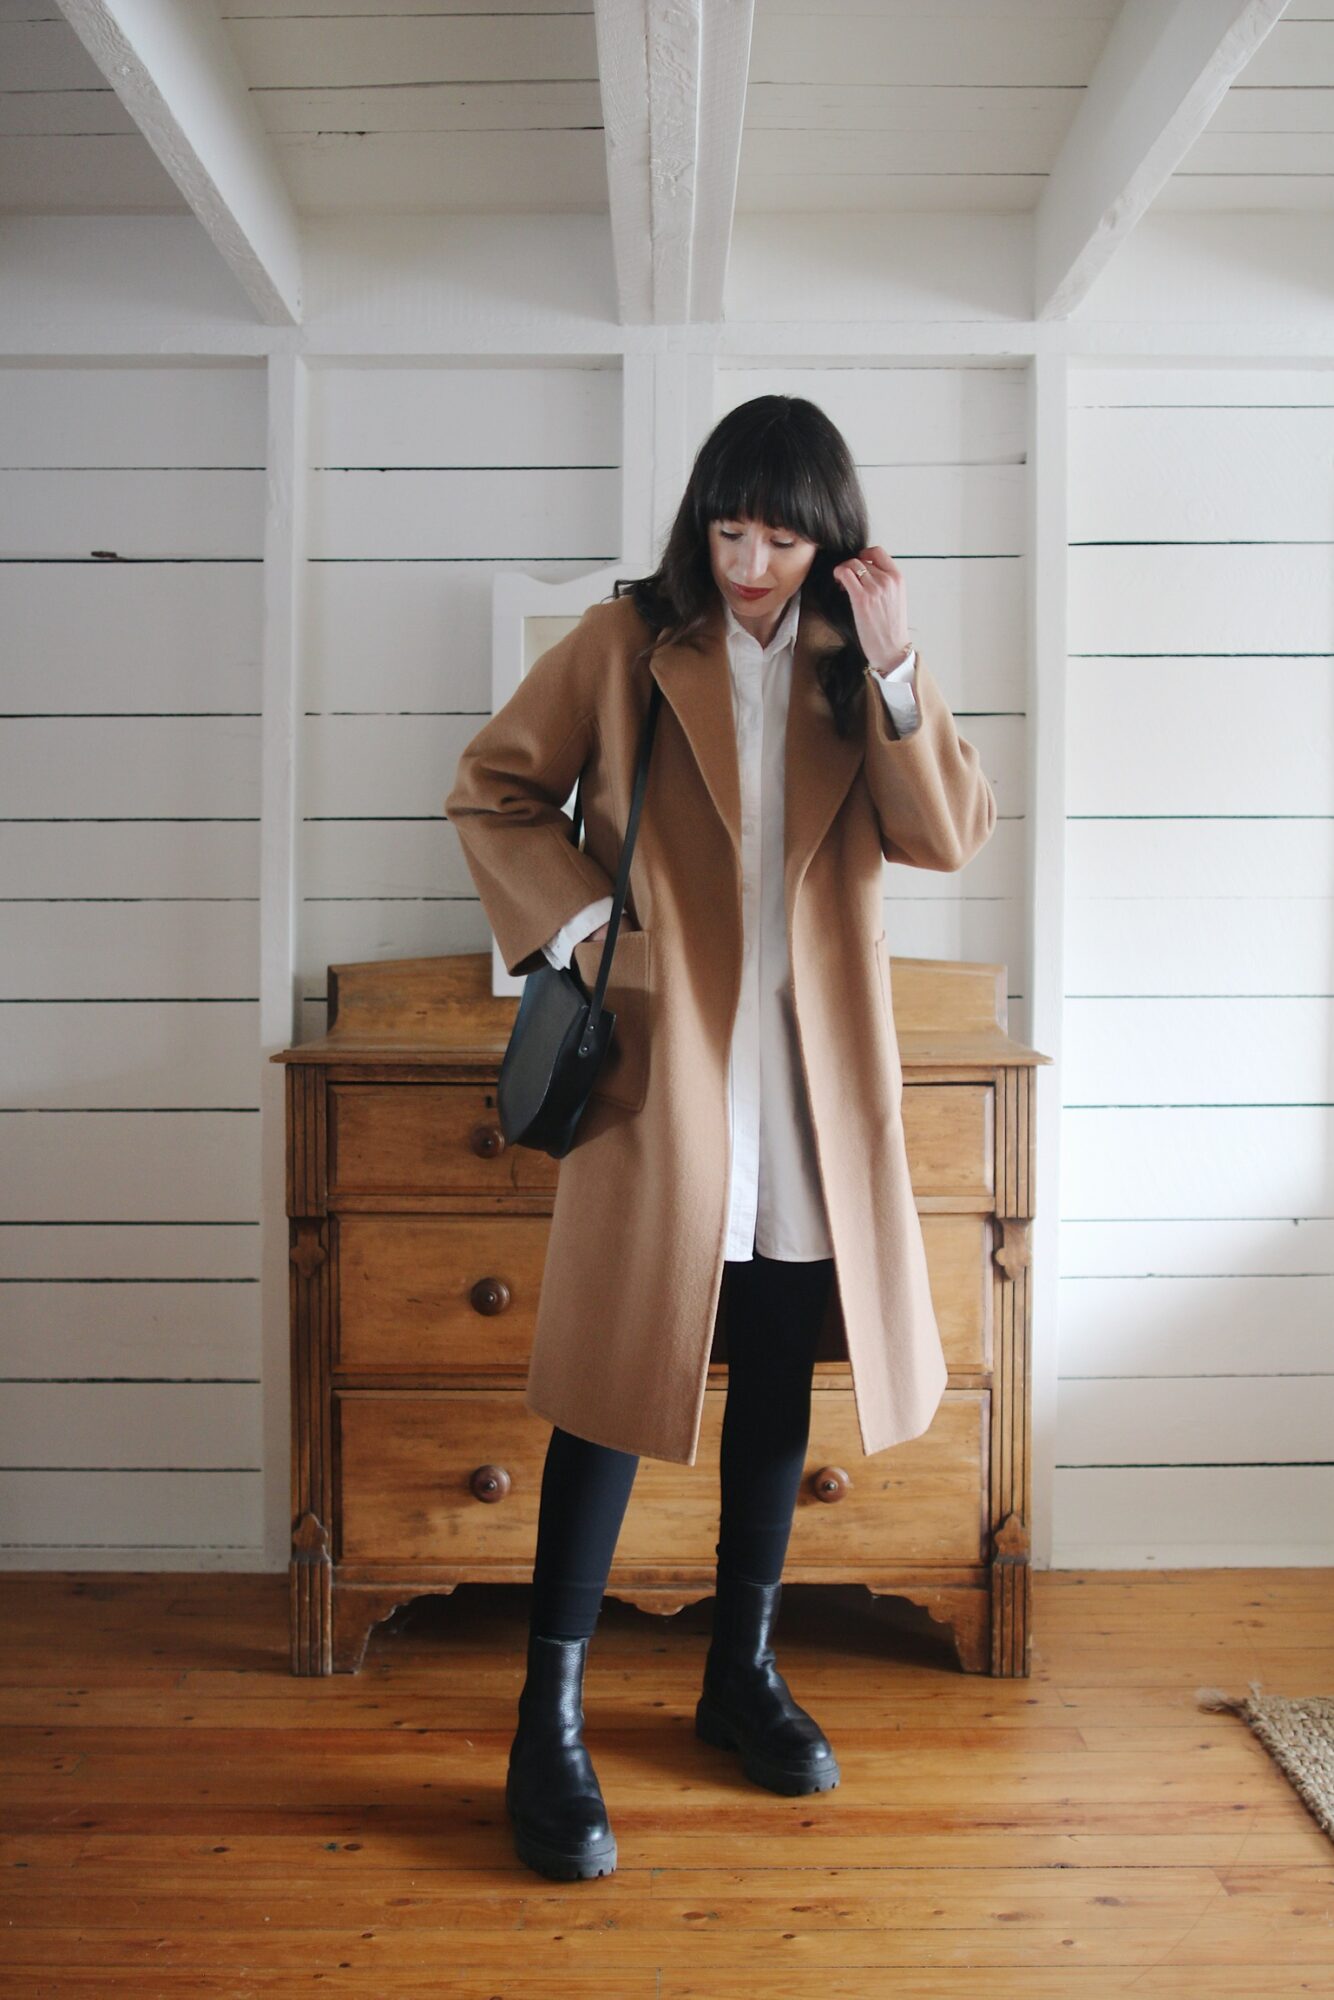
(781, 461)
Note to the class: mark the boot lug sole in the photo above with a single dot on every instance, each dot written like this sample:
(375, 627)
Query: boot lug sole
(560, 1864)
(792, 1780)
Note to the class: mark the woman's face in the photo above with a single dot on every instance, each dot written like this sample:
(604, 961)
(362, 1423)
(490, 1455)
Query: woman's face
(757, 568)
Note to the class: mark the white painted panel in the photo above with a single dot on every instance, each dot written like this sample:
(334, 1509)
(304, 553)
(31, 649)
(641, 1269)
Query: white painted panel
(1217, 384)
(1232, 1245)
(137, 1513)
(134, 767)
(1193, 1516)
(301, 50)
(470, 173)
(968, 43)
(74, 1056)
(522, 107)
(1201, 945)
(1269, 1161)
(1269, 598)
(57, 1332)
(62, 176)
(128, 968)
(295, 13)
(147, 413)
(1199, 1050)
(126, 1166)
(511, 514)
(910, 268)
(124, 1425)
(85, 638)
(1223, 1325)
(946, 510)
(460, 416)
(1281, 193)
(1198, 1046)
(1230, 284)
(132, 515)
(35, 58)
(853, 195)
(1199, 858)
(1198, 1419)
(822, 166)
(1297, 51)
(128, 859)
(411, 856)
(440, 616)
(113, 1252)
(104, 950)
(1201, 473)
(1228, 736)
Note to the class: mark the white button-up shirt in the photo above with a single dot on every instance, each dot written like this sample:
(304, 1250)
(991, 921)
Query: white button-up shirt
(775, 1200)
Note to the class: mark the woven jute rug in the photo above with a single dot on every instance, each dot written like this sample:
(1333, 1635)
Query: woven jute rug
(1298, 1733)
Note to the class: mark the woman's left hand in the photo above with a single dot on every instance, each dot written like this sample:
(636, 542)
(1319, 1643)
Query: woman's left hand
(879, 597)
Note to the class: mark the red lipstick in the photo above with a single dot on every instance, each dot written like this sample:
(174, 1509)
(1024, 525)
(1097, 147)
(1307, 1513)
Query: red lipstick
(741, 591)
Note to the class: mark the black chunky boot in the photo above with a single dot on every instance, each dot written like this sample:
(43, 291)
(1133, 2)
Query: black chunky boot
(552, 1793)
(747, 1705)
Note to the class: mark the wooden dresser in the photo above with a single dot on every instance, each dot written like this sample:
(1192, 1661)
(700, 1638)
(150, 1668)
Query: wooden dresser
(417, 1244)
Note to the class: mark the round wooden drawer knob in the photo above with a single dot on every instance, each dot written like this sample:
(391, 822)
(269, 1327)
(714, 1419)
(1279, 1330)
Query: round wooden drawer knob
(487, 1141)
(490, 1482)
(490, 1296)
(831, 1483)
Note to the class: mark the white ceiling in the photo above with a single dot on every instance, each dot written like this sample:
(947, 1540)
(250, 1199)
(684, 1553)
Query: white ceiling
(851, 105)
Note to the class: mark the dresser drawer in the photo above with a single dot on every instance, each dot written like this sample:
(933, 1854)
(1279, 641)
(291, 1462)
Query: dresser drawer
(425, 1138)
(963, 1280)
(950, 1133)
(412, 1469)
(437, 1294)
(457, 1294)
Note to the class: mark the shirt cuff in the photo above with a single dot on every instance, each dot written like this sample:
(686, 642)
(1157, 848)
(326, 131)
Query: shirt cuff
(898, 689)
(560, 948)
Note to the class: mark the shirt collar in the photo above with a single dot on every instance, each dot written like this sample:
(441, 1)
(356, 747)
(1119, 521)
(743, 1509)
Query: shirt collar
(784, 632)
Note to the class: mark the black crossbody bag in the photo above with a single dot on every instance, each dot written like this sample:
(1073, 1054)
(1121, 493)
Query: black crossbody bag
(561, 1033)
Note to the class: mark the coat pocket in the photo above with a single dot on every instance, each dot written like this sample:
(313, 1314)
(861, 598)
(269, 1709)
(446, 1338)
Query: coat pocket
(623, 1077)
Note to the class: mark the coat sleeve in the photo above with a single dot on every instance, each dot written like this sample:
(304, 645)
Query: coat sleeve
(935, 805)
(509, 789)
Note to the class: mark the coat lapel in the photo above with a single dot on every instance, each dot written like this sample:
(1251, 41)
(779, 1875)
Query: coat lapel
(819, 764)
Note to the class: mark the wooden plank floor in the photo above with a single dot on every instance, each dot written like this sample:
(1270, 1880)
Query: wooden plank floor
(180, 1815)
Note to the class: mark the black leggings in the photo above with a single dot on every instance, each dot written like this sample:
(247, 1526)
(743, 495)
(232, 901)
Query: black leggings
(774, 1311)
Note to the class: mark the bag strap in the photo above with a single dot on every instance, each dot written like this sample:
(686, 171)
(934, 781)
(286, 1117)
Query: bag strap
(586, 1041)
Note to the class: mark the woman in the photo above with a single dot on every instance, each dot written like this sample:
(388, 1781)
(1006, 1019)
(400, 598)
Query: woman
(745, 1132)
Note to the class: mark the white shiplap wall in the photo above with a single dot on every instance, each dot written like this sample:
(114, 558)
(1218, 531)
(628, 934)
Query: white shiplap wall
(941, 453)
(425, 482)
(131, 525)
(1196, 1400)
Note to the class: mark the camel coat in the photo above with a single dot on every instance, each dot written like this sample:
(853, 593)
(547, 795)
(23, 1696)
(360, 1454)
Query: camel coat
(629, 1302)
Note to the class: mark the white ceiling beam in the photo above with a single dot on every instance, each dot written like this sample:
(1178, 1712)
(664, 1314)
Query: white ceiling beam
(174, 69)
(673, 81)
(1165, 69)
